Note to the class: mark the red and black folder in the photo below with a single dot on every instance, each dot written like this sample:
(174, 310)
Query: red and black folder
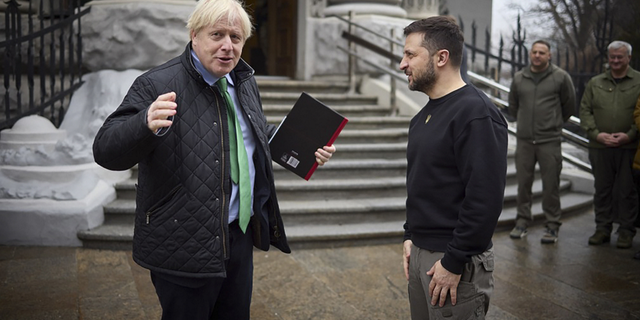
(309, 125)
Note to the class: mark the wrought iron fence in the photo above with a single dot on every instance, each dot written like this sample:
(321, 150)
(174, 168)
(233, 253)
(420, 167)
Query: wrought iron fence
(41, 59)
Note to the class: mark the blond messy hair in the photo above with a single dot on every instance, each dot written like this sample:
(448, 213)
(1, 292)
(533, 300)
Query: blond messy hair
(210, 12)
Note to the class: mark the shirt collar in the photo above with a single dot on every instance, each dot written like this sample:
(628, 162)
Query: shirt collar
(208, 77)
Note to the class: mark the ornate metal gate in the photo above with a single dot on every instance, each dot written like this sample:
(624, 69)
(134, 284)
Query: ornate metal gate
(41, 59)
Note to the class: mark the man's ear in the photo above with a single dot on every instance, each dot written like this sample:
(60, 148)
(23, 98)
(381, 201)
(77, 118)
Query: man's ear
(443, 57)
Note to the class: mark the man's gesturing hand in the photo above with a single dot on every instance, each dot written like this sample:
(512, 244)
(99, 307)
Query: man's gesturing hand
(442, 282)
(160, 110)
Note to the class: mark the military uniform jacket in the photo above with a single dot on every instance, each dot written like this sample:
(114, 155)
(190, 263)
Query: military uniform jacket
(541, 108)
(608, 106)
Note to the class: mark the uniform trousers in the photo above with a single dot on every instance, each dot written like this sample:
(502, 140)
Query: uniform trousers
(548, 155)
(183, 298)
(474, 290)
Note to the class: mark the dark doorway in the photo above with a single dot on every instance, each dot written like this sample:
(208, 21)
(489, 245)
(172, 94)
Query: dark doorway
(272, 49)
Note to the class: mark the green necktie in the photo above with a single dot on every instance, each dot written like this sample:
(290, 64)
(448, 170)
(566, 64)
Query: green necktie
(239, 161)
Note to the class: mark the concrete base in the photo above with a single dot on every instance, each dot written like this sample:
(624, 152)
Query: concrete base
(46, 222)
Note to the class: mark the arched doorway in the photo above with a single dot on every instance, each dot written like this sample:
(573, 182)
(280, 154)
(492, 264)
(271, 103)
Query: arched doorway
(272, 49)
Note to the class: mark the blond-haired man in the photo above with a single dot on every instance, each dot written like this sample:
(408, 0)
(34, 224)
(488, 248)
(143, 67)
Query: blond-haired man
(205, 193)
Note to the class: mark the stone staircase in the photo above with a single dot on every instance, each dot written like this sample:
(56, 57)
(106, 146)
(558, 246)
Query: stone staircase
(356, 198)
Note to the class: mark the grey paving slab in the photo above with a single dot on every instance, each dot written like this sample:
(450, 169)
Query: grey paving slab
(568, 280)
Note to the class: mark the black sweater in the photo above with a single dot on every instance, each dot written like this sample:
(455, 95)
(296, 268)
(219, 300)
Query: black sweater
(457, 159)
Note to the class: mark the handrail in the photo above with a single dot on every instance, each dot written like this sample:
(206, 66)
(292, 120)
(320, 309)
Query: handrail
(502, 104)
(368, 30)
(371, 46)
(374, 64)
(489, 82)
(354, 40)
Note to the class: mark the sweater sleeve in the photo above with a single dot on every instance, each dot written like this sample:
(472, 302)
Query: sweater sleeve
(481, 153)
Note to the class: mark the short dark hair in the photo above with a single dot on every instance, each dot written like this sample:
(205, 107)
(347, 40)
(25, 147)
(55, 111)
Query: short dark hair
(439, 32)
(541, 42)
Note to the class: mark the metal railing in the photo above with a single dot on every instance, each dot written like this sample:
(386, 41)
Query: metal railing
(394, 59)
(492, 85)
(42, 65)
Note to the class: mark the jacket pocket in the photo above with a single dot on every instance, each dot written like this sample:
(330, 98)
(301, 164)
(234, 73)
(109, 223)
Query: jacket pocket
(167, 226)
(162, 205)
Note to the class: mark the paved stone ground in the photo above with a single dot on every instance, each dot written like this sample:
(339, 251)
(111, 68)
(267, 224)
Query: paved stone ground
(568, 280)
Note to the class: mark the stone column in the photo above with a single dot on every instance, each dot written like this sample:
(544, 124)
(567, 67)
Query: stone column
(420, 9)
(389, 8)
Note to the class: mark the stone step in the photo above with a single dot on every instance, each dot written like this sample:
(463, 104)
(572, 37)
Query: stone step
(365, 122)
(355, 151)
(511, 191)
(570, 202)
(383, 223)
(337, 201)
(335, 212)
(279, 110)
(373, 136)
(332, 189)
(340, 169)
(344, 169)
(347, 168)
(108, 237)
(120, 211)
(368, 233)
(273, 84)
(330, 99)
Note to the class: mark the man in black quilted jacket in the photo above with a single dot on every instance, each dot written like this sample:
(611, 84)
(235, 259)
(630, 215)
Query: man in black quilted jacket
(181, 122)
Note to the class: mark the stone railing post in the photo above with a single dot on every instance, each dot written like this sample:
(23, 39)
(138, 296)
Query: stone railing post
(420, 9)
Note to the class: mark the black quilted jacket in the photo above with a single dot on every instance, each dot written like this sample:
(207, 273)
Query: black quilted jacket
(183, 184)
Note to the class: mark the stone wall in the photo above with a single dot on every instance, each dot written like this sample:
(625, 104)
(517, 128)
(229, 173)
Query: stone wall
(121, 35)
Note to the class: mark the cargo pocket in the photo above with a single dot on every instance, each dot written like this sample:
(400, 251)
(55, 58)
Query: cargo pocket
(470, 305)
(475, 284)
(487, 259)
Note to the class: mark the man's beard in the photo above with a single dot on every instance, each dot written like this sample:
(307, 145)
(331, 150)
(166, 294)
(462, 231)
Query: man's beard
(426, 80)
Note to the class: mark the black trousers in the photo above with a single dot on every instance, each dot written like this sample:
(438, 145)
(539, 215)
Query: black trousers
(613, 166)
(184, 298)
